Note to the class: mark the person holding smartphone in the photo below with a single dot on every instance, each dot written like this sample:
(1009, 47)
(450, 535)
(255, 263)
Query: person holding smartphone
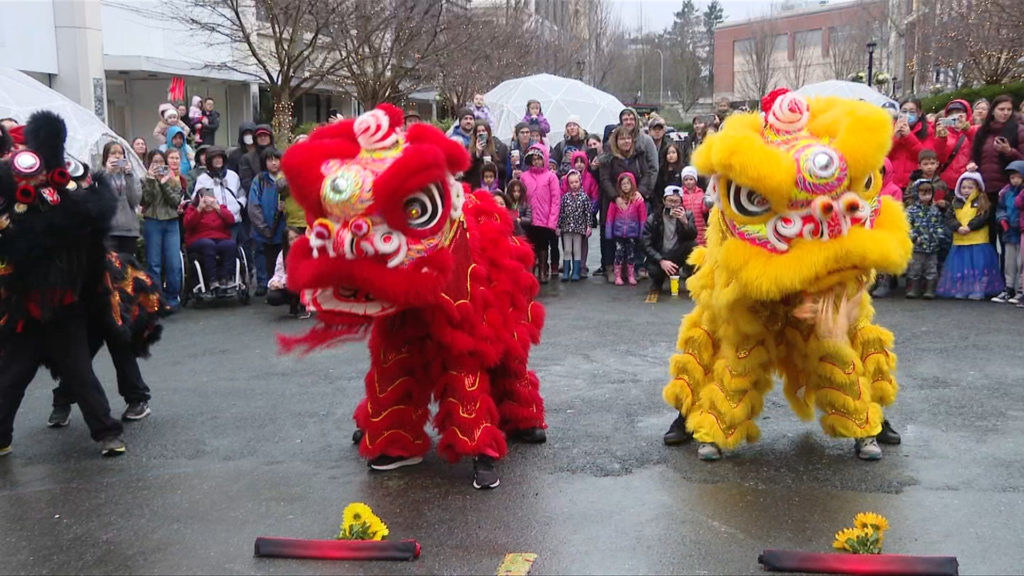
(124, 228)
(953, 140)
(999, 140)
(911, 134)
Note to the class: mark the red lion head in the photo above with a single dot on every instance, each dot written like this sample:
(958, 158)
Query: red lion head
(383, 207)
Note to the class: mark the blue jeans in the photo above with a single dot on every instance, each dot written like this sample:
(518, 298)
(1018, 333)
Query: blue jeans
(264, 259)
(163, 256)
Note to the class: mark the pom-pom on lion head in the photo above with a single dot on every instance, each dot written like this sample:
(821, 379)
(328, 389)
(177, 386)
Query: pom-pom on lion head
(383, 208)
(797, 191)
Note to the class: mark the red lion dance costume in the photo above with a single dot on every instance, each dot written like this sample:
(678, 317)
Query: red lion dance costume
(398, 249)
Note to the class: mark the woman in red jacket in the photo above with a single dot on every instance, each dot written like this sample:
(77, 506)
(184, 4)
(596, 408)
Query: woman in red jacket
(954, 137)
(208, 234)
(911, 134)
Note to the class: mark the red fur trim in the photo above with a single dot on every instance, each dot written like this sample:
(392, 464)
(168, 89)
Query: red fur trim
(330, 329)
(456, 156)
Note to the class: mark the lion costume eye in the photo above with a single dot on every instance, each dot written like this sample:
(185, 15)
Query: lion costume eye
(746, 202)
(423, 209)
(869, 182)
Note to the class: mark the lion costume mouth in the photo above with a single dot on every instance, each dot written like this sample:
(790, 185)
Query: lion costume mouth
(347, 300)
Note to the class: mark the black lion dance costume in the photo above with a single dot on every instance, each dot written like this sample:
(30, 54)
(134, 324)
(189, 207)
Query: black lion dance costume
(58, 284)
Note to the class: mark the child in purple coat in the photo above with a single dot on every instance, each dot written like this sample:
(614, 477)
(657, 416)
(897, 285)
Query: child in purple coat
(534, 115)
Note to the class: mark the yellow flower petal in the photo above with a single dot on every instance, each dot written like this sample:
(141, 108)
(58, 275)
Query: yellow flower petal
(876, 521)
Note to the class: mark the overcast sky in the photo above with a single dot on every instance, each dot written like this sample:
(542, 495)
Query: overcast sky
(658, 14)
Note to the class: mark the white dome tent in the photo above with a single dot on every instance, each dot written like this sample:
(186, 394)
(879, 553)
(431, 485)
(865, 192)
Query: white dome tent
(21, 95)
(559, 98)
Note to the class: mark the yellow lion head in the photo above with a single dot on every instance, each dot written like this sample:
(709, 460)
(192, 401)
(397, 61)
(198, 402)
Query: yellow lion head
(797, 196)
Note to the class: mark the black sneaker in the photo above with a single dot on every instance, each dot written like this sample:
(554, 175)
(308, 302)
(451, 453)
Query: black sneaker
(677, 433)
(5, 450)
(530, 435)
(136, 411)
(484, 474)
(888, 435)
(357, 436)
(385, 462)
(113, 447)
(60, 417)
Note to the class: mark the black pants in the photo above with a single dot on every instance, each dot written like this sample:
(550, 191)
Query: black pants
(677, 257)
(130, 384)
(607, 244)
(280, 297)
(62, 343)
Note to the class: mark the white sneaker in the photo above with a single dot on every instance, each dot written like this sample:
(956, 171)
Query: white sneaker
(1002, 297)
(708, 452)
(868, 448)
(1017, 298)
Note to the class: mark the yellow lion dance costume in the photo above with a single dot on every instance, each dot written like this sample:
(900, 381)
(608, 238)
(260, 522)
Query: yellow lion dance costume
(797, 232)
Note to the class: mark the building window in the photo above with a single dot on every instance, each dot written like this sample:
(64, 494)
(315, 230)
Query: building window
(808, 40)
(781, 44)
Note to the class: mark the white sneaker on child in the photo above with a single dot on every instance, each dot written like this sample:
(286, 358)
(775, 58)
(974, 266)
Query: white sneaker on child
(1002, 297)
(1017, 298)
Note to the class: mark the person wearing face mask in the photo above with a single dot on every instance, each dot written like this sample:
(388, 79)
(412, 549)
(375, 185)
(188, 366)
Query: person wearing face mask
(246, 144)
(168, 117)
(911, 134)
(954, 137)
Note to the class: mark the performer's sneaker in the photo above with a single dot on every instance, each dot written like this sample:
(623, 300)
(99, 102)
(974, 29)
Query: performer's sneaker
(888, 435)
(484, 474)
(136, 411)
(357, 436)
(5, 450)
(868, 448)
(385, 462)
(530, 435)
(113, 447)
(59, 417)
(677, 433)
(709, 452)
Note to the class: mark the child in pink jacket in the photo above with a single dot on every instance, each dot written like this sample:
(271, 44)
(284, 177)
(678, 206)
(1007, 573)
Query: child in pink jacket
(545, 197)
(625, 226)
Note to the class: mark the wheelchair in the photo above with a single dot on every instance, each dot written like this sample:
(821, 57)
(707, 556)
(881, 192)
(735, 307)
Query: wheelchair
(195, 288)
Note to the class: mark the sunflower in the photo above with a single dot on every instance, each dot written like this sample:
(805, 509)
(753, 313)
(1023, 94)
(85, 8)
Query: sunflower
(845, 538)
(876, 521)
(378, 529)
(356, 512)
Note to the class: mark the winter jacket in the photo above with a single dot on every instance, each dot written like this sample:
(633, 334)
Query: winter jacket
(129, 194)
(225, 186)
(628, 223)
(540, 121)
(279, 281)
(616, 164)
(944, 148)
(574, 214)
(459, 136)
(474, 176)
(654, 237)
(992, 164)
(1019, 205)
(188, 155)
(525, 212)
(590, 186)
(160, 200)
(903, 154)
(565, 151)
(268, 223)
(251, 163)
(938, 185)
(510, 165)
(927, 227)
(160, 131)
(695, 203)
(1007, 211)
(965, 212)
(209, 129)
(542, 191)
(235, 155)
(889, 187)
(213, 224)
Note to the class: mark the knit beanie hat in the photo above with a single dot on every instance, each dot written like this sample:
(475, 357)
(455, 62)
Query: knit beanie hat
(688, 171)
(573, 119)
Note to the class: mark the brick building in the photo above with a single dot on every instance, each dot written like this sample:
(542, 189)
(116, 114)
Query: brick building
(797, 44)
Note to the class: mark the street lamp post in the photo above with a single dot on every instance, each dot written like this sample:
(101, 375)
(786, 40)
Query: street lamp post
(871, 61)
(661, 79)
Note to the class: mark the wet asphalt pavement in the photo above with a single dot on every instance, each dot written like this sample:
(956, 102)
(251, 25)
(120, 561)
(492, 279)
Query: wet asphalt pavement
(244, 443)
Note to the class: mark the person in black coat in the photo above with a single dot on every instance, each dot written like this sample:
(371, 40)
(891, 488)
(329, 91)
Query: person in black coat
(246, 144)
(667, 253)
